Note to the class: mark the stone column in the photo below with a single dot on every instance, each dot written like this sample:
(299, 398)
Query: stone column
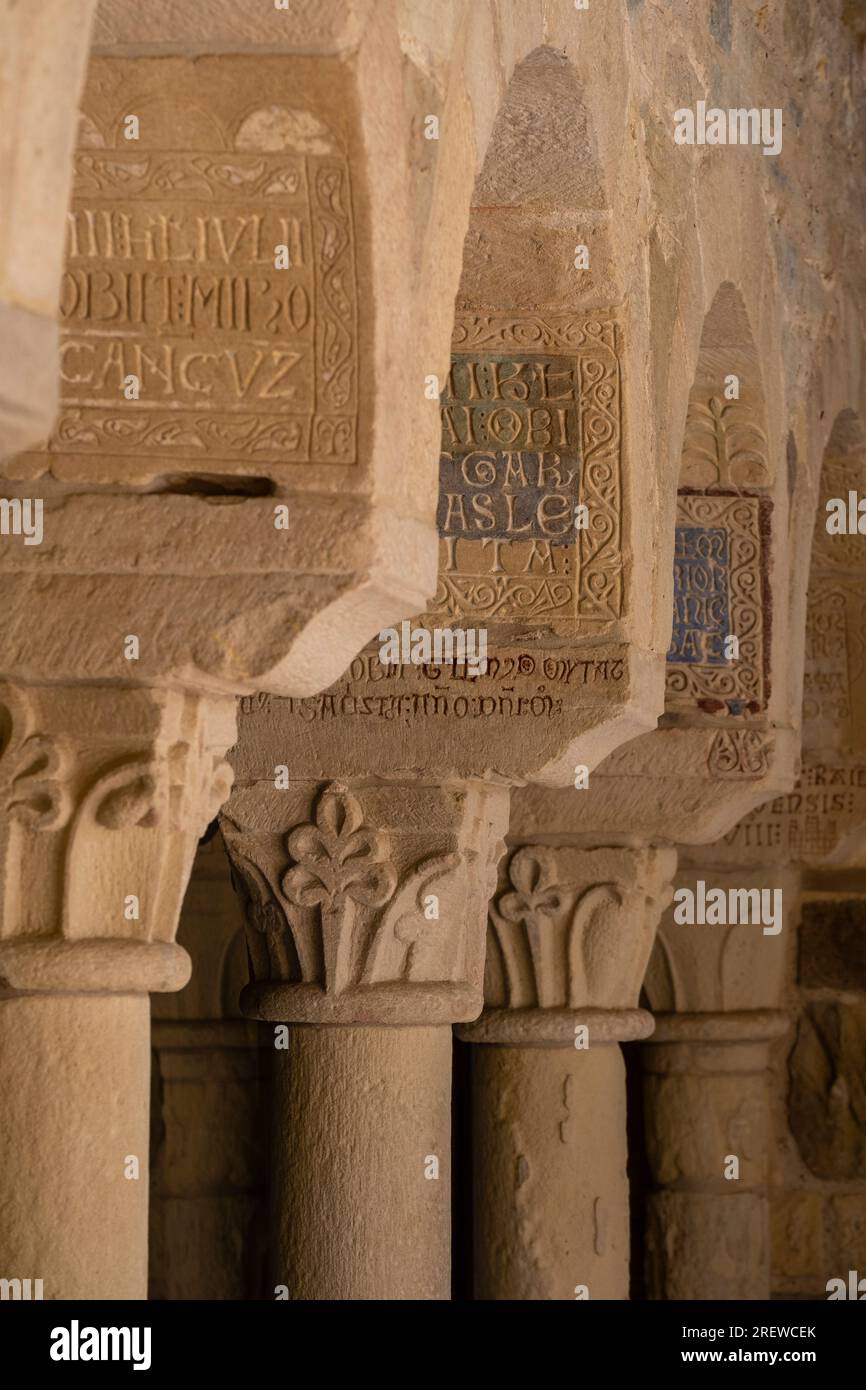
(717, 989)
(365, 908)
(218, 506)
(105, 793)
(570, 935)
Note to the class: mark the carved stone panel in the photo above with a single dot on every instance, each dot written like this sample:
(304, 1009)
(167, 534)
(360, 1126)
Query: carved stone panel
(531, 428)
(246, 357)
(720, 591)
(531, 444)
(724, 444)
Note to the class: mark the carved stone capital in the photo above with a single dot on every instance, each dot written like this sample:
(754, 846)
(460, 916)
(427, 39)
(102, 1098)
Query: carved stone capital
(365, 904)
(570, 935)
(104, 794)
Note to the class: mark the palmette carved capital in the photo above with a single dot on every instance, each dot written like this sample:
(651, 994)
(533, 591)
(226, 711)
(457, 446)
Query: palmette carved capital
(570, 933)
(104, 794)
(365, 903)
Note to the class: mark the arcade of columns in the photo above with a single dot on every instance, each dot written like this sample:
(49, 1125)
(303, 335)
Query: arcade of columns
(442, 884)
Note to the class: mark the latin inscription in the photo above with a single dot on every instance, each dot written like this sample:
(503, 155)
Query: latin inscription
(171, 278)
(720, 589)
(529, 499)
(808, 823)
(701, 620)
(516, 685)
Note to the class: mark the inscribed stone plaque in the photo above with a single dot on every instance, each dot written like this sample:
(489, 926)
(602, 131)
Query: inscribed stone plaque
(171, 279)
(701, 579)
(531, 431)
(720, 590)
(822, 818)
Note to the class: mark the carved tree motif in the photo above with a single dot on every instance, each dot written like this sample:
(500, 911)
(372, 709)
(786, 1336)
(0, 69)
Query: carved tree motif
(339, 864)
(722, 435)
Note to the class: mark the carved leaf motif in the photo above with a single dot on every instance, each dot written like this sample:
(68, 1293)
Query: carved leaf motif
(336, 859)
(724, 436)
(532, 875)
(593, 958)
(274, 949)
(538, 904)
(339, 864)
(407, 945)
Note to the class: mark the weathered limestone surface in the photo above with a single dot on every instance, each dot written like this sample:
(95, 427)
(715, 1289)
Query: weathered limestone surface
(307, 250)
(201, 382)
(105, 794)
(384, 1115)
(570, 934)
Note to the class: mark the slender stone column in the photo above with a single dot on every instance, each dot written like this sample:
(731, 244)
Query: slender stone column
(355, 1216)
(569, 938)
(365, 908)
(104, 795)
(718, 988)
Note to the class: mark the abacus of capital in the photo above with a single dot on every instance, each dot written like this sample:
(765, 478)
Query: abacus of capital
(321, 318)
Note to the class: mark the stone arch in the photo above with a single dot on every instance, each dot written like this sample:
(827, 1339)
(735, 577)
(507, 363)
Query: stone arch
(725, 441)
(540, 192)
(537, 345)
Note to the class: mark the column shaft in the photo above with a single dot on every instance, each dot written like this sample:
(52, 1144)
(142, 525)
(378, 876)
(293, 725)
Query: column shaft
(359, 1115)
(549, 1172)
(74, 1095)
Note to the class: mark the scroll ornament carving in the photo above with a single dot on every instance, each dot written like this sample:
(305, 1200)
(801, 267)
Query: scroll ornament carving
(148, 793)
(569, 944)
(33, 769)
(740, 753)
(31, 785)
